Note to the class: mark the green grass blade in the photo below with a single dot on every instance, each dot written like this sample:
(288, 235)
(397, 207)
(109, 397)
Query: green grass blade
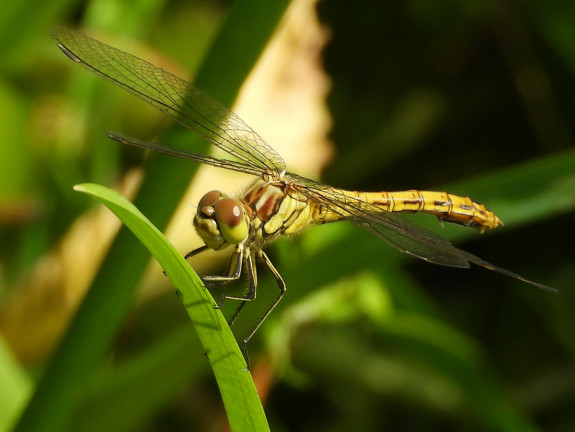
(16, 387)
(236, 386)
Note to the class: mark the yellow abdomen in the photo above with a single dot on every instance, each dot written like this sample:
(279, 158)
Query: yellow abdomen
(447, 207)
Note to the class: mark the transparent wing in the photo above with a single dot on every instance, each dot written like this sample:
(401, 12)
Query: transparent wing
(176, 97)
(399, 233)
(185, 154)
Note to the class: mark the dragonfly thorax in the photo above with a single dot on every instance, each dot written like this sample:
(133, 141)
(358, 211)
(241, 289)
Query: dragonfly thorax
(221, 221)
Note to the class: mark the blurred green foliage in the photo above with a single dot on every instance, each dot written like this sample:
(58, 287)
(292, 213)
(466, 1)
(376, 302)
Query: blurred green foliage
(472, 97)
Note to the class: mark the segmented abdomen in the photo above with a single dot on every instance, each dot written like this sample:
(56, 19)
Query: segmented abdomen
(447, 207)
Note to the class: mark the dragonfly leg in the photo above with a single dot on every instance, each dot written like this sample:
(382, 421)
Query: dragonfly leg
(244, 256)
(233, 273)
(282, 289)
(195, 252)
(192, 254)
(251, 295)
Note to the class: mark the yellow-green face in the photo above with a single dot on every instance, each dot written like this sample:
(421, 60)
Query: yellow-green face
(221, 221)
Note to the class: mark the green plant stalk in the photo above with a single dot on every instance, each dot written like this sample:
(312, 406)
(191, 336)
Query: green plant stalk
(239, 44)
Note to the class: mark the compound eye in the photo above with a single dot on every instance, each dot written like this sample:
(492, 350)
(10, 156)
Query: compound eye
(207, 203)
(209, 199)
(231, 220)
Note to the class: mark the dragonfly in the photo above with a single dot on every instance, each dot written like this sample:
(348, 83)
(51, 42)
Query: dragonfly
(277, 203)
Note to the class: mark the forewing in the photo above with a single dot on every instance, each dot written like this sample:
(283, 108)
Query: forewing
(176, 97)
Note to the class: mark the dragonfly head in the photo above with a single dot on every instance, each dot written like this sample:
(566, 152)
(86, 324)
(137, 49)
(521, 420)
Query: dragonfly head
(221, 221)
